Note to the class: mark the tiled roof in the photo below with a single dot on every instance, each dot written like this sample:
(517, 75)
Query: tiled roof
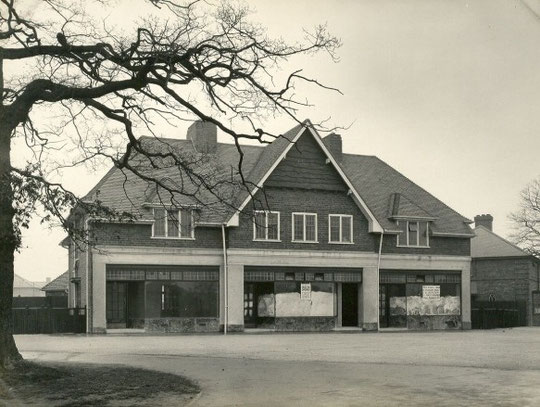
(374, 180)
(20, 282)
(489, 244)
(60, 283)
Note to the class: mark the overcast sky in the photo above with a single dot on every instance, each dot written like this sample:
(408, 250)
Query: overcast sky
(447, 92)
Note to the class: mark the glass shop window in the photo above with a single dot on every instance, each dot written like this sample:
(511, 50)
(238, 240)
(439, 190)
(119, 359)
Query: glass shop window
(187, 299)
(289, 302)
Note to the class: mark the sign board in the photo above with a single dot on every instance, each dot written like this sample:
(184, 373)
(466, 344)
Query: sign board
(432, 292)
(305, 291)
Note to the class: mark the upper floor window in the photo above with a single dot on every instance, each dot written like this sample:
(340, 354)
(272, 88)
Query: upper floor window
(340, 228)
(266, 225)
(413, 233)
(304, 227)
(173, 223)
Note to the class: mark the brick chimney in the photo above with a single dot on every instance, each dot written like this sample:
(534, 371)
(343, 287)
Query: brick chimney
(203, 136)
(485, 220)
(335, 145)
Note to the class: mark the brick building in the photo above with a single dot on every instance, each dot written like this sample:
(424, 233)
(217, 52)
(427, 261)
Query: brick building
(319, 240)
(502, 272)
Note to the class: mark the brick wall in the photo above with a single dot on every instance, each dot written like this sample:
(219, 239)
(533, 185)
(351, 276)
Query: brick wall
(141, 235)
(451, 246)
(289, 200)
(508, 279)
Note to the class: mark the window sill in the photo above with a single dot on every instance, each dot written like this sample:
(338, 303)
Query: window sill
(171, 238)
(304, 241)
(414, 247)
(341, 243)
(267, 240)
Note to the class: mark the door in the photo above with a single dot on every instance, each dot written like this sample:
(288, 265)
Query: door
(392, 306)
(349, 304)
(249, 305)
(116, 304)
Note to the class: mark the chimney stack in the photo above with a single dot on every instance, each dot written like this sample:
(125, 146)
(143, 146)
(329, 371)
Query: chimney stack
(485, 220)
(334, 143)
(203, 135)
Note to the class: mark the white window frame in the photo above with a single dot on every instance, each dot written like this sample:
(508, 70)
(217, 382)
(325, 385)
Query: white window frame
(191, 237)
(255, 238)
(340, 216)
(400, 244)
(304, 226)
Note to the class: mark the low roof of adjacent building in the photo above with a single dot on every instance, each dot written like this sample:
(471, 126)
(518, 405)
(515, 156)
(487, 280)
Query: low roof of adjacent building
(489, 244)
(20, 282)
(60, 283)
(386, 193)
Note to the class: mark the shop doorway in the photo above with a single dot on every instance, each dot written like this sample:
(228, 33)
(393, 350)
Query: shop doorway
(116, 304)
(392, 306)
(349, 304)
(252, 313)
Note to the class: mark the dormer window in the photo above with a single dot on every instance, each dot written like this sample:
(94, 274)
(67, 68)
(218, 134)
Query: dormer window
(173, 224)
(413, 233)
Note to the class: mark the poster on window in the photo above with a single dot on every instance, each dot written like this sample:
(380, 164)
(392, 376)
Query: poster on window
(305, 291)
(431, 292)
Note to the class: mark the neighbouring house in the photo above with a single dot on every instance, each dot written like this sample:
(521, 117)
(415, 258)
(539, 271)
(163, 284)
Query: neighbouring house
(24, 288)
(319, 240)
(57, 287)
(501, 272)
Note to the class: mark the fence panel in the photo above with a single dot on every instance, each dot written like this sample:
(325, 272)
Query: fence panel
(49, 320)
(498, 314)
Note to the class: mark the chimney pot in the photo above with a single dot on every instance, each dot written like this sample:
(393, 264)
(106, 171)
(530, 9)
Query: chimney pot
(203, 135)
(485, 220)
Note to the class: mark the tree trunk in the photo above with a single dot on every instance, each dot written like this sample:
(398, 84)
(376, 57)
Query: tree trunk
(8, 350)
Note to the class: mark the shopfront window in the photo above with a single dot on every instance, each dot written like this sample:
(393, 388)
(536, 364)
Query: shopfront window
(403, 295)
(185, 299)
(295, 299)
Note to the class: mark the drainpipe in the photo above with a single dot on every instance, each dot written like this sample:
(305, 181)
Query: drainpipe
(89, 310)
(226, 282)
(378, 282)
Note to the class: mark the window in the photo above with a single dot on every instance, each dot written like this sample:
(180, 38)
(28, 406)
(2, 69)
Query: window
(340, 228)
(266, 225)
(173, 223)
(304, 227)
(413, 233)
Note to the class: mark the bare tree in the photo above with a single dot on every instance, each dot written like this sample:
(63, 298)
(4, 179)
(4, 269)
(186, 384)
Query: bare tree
(527, 219)
(76, 89)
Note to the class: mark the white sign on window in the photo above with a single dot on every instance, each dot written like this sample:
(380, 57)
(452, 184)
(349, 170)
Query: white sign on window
(432, 292)
(305, 291)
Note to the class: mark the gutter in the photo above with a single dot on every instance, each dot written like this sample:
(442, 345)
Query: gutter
(226, 282)
(378, 282)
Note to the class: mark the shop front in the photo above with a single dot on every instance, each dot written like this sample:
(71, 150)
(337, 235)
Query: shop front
(163, 298)
(420, 300)
(301, 298)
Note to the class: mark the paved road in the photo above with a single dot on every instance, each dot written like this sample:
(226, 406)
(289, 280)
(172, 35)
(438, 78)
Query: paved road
(483, 368)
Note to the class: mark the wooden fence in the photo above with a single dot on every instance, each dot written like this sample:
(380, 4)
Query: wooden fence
(49, 320)
(498, 314)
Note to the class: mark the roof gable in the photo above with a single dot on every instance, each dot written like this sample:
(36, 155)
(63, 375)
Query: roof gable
(60, 283)
(488, 244)
(286, 142)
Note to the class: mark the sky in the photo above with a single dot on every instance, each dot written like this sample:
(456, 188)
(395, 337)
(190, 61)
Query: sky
(446, 92)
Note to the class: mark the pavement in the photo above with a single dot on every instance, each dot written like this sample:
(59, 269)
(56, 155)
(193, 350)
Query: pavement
(461, 368)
